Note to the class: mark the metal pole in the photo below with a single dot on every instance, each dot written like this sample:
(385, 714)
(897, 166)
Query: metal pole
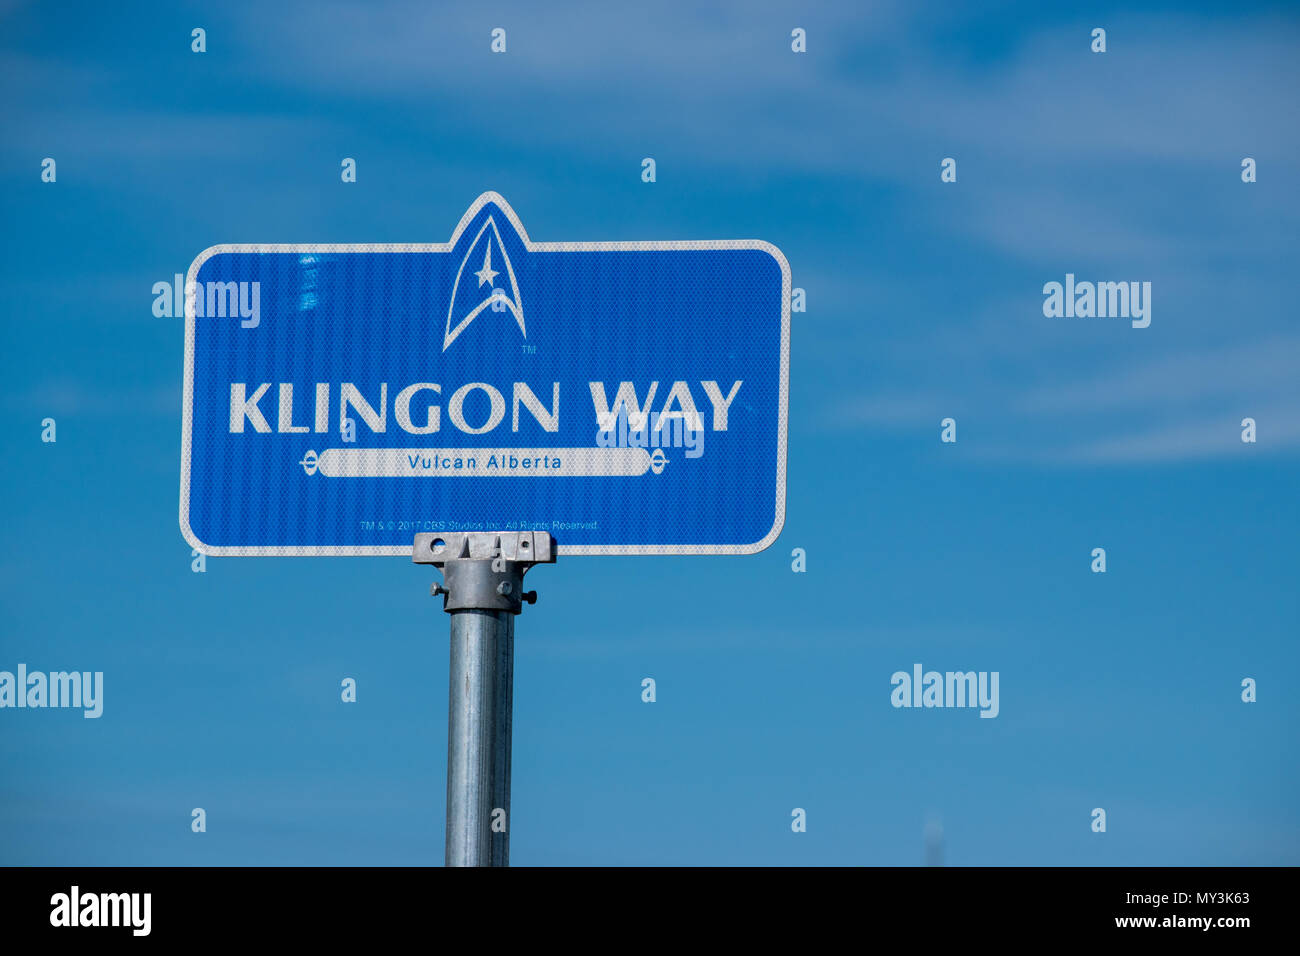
(483, 591)
(481, 699)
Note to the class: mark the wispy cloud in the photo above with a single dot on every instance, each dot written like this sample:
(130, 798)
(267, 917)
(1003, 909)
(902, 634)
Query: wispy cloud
(1165, 407)
(68, 397)
(1205, 439)
(1245, 372)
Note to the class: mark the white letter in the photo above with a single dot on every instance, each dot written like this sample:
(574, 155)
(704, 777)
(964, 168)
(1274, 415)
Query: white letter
(286, 411)
(626, 398)
(93, 698)
(902, 693)
(550, 421)
(720, 404)
(497, 412)
(402, 409)
(1141, 305)
(348, 395)
(1052, 304)
(688, 414)
(989, 694)
(59, 915)
(142, 910)
(241, 408)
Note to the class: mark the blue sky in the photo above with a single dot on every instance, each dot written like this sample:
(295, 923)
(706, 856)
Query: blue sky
(1119, 690)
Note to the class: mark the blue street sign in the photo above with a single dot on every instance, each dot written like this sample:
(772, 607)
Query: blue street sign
(627, 397)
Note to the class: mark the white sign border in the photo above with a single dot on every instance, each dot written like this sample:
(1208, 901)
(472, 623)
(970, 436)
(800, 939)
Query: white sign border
(187, 413)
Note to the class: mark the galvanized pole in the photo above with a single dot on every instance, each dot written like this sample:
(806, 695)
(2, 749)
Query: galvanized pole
(478, 737)
(483, 591)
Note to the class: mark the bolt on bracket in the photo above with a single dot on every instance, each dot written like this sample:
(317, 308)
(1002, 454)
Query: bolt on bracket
(483, 570)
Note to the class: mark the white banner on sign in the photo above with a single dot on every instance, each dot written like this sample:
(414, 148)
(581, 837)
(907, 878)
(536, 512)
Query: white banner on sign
(480, 462)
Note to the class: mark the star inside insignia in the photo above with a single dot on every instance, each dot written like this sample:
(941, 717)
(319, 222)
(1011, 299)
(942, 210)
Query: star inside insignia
(486, 274)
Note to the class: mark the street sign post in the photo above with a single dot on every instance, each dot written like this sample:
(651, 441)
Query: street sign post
(628, 397)
(483, 406)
